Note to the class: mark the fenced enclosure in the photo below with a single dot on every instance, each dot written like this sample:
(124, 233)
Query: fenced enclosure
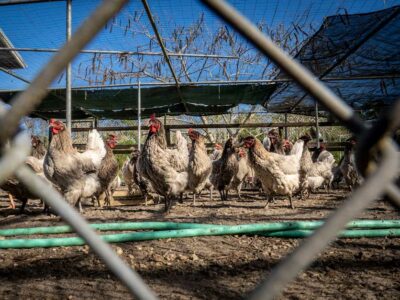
(182, 66)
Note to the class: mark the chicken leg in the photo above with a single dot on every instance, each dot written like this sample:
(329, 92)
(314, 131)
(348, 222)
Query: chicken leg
(291, 201)
(168, 204)
(24, 201)
(270, 199)
(239, 189)
(12, 203)
(181, 198)
(223, 194)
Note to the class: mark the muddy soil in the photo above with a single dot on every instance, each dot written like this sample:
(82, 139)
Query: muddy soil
(227, 267)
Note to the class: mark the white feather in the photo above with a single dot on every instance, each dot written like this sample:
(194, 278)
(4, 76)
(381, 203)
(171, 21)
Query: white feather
(267, 143)
(95, 148)
(92, 185)
(315, 182)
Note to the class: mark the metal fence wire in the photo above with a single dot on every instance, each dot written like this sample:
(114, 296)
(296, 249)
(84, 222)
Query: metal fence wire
(377, 157)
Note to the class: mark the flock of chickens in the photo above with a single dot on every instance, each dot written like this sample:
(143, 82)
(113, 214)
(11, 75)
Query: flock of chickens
(274, 166)
(277, 167)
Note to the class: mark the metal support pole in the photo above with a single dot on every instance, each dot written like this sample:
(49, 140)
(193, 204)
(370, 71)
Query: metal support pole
(11, 73)
(119, 52)
(286, 129)
(165, 52)
(68, 99)
(167, 131)
(14, 2)
(214, 126)
(210, 82)
(317, 123)
(139, 108)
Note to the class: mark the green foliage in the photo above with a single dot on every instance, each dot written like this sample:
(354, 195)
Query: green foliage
(121, 159)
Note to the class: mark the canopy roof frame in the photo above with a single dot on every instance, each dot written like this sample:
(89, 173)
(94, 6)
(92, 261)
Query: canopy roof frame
(168, 54)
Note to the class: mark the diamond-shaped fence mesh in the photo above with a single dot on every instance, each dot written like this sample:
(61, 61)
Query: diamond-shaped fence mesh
(377, 157)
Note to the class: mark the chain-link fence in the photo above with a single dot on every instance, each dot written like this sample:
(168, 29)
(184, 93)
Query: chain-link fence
(377, 156)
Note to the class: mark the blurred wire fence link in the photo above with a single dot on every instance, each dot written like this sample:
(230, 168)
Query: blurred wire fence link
(382, 168)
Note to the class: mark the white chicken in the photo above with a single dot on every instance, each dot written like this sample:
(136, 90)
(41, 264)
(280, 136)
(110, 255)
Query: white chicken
(180, 153)
(243, 171)
(279, 174)
(135, 180)
(316, 174)
(17, 189)
(161, 166)
(128, 175)
(76, 174)
(199, 164)
(348, 165)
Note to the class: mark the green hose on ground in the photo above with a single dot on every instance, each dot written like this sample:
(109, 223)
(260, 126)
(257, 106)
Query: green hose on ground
(120, 226)
(124, 226)
(181, 233)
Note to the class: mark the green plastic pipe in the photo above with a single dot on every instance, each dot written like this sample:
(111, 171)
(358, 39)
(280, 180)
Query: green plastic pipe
(123, 226)
(360, 233)
(166, 234)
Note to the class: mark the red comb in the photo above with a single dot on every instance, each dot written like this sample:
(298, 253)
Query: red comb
(153, 117)
(52, 121)
(190, 130)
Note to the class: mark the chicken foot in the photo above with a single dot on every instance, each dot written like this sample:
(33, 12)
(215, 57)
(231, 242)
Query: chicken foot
(224, 194)
(270, 199)
(22, 208)
(109, 198)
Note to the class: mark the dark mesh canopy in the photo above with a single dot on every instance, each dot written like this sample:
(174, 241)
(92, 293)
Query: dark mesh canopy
(122, 103)
(359, 58)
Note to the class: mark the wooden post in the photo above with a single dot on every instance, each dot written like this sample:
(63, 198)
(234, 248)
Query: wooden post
(280, 130)
(286, 129)
(167, 131)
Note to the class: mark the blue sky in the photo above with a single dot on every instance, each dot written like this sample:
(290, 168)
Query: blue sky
(43, 26)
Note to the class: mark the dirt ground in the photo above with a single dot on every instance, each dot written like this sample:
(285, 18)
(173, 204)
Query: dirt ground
(227, 267)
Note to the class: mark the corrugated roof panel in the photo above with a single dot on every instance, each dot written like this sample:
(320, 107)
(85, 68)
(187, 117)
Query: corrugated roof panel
(9, 59)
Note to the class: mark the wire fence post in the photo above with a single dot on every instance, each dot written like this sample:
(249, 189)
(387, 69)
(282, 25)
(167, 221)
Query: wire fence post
(68, 99)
